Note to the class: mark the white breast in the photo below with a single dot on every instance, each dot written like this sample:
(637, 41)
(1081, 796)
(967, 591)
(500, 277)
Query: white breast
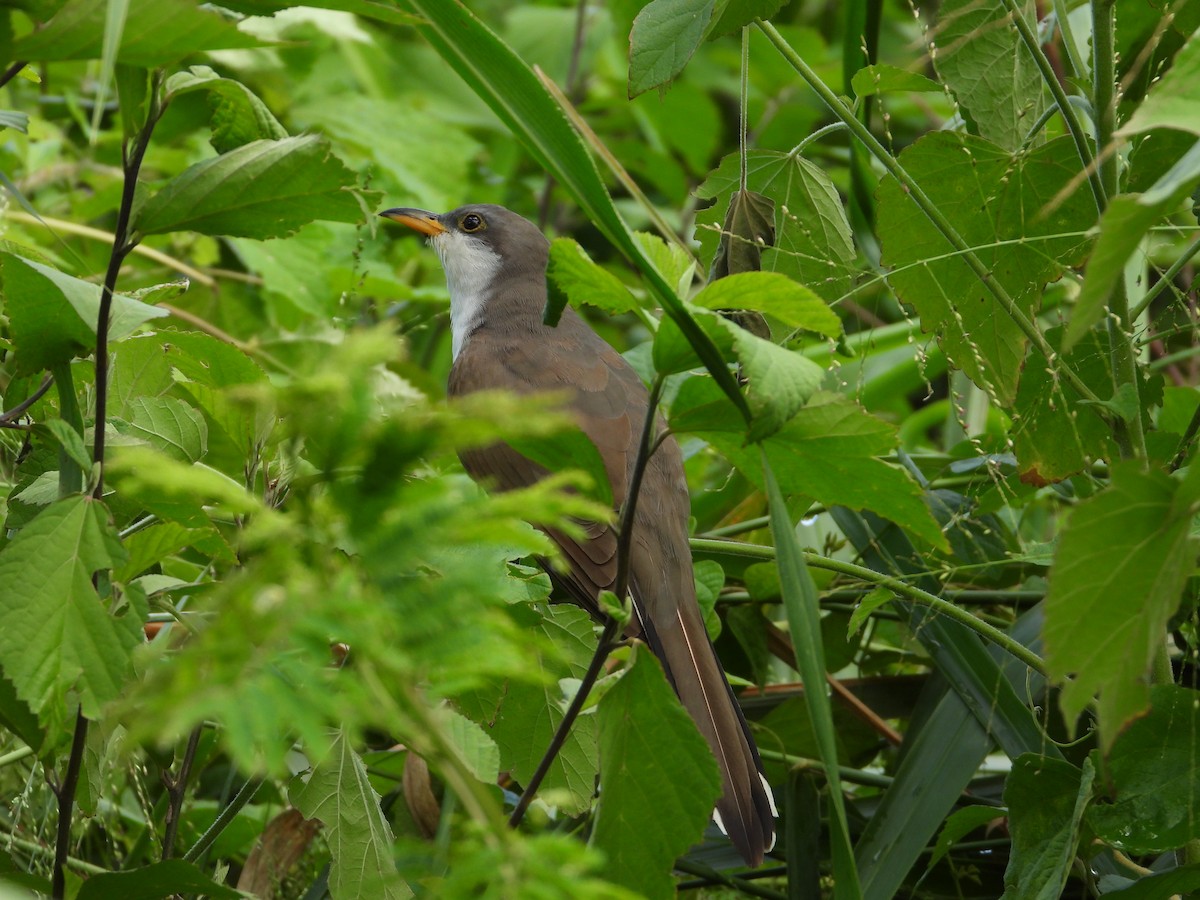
(470, 266)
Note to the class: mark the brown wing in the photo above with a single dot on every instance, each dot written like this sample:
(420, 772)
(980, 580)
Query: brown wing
(611, 398)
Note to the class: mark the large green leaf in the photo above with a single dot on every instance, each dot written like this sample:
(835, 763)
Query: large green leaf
(1001, 206)
(1046, 800)
(658, 780)
(238, 115)
(1121, 564)
(157, 32)
(338, 792)
(571, 275)
(830, 451)
(263, 189)
(53, 315)
(777, 295)
(1153, 777)
(992, 73)
(57, 636)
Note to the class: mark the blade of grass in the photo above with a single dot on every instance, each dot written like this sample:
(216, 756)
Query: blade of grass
(804, 622)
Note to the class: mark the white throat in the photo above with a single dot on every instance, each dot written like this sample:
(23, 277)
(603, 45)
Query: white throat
(470, 266)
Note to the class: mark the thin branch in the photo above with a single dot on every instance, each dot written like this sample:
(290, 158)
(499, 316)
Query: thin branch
(11, 72)
(1185, 443)
(19, 410)
(66, 800)
(176, 789)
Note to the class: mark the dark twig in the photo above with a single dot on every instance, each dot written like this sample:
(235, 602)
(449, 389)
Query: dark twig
(611, 626)
(176, 788)
(121, 247)
(573, 91)
(11, 72)
(19, 410)
(66, 799)
(1185, 444)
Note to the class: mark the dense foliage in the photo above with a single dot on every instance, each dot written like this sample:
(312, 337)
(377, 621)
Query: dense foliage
(916, 286)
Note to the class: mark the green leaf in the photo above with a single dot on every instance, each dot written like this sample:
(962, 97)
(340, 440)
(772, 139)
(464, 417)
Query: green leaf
(238, 115)
(53, 315)
(659, 781)
(867, 605)
(829, 451)
(1172, 101)
(475, 747)
(70, 440)
(1046, 800)
(812, 243)
(777, 295)
(571, 275)
(779, 381)
(885, 79)
(1122, 228)
(570, 449)
(167, 424)
(263, 189)
(56, 634)
(153, 544)
(665, 35)
(18, 121)
(1153, 777)
(804, 624)
(157, 32)
(991, 71)
(1000, 205)
(156, 881)
(338, 792)
(677, 266)
(1121, 564)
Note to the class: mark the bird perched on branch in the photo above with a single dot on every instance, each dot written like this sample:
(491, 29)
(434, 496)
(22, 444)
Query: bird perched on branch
(495, 265)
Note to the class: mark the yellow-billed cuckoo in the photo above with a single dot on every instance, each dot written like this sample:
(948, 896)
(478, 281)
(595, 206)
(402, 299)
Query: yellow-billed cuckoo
(495, 265)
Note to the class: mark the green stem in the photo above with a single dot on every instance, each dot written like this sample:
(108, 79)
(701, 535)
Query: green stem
(224, 818)
(15, 756)
(1064, 105)
(854, 776)
(1078, 65)
(895, 585)
(935, 215)
(1129, 434)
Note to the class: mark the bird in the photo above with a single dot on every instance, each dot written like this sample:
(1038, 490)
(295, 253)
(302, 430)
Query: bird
(495, 266)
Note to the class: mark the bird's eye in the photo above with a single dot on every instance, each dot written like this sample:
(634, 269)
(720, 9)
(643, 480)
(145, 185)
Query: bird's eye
(471, 222)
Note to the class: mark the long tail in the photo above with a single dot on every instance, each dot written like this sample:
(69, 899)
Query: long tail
(746, 811)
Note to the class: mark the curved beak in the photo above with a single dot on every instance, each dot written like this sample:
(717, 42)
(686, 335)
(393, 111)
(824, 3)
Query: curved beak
(417, 219)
